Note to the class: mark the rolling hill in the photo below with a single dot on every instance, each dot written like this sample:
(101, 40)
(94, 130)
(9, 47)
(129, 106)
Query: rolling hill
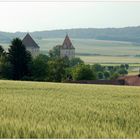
(129, 34)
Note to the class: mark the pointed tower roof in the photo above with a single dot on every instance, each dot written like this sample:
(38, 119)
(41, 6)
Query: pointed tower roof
(29, 42)
(67, 43)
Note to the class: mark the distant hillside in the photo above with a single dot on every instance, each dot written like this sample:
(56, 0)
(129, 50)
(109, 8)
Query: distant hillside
(130, 34)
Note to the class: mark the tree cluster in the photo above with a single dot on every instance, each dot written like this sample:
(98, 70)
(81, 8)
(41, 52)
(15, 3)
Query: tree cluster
(18, 64)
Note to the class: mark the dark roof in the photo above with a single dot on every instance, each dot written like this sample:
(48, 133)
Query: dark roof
(67, 43)
(29, 42)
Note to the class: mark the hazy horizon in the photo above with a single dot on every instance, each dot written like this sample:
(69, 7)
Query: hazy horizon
(45, 16)
(67, 29)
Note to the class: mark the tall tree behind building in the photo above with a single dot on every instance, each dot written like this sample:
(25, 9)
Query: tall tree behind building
(19, 59)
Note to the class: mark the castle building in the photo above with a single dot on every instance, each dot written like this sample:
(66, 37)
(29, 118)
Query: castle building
(67, 49)
(31, 45)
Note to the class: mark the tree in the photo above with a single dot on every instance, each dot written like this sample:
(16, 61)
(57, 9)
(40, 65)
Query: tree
(66, 61)
(5, 70)
(5, 67)
(3, 54)
(40, 68)
(55, 52)
(110, 68)
(106, 75)
(114, 76)
(76, 61)
(1, 50)
(115, 68)
(82, 72)
(57, 69)
(122, 66)
(100, 75)
(122, 71)
(97, 68)
(19, 59)
(127, 66)
(68, 74)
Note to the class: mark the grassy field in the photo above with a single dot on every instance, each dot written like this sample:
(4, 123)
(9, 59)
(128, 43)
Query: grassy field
(51, 110)
(110, 59)
(92, 46)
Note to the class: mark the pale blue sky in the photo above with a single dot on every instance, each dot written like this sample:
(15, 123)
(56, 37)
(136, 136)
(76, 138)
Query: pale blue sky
(36, 16)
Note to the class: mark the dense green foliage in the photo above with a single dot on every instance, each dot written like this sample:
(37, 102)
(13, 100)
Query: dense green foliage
(1, 51)
(56, 69)
(75, 61)
(39, 68)
(49, 110)
(55, 52)
(5, 66)
(82, 72)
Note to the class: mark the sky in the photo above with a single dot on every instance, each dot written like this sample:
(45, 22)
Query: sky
(48, 15)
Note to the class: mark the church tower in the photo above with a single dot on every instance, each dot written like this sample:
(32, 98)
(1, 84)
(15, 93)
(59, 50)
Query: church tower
(67, 48)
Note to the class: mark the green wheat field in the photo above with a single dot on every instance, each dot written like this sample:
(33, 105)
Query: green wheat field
(52, 110)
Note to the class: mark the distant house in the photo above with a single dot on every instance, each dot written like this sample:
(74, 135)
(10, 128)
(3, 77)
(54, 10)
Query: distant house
(31, 45)
(132, 80)
(67, 48)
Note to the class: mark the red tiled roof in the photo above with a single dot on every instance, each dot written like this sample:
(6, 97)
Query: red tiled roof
(67, 43)
(29, 42)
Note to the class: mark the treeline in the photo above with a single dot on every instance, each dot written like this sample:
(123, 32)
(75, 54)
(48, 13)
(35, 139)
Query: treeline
(18, 64)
